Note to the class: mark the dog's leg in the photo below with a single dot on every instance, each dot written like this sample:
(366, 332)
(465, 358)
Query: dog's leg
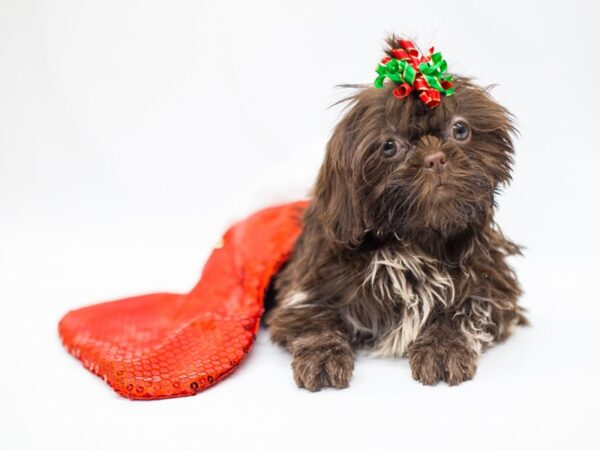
(448, 348)
(322, 354)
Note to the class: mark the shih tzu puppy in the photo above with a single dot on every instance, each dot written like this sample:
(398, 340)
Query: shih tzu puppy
(399, 252)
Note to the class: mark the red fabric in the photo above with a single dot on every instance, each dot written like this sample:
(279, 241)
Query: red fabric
(170, 345)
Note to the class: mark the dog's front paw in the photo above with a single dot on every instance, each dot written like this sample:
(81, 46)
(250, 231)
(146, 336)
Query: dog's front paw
(452, 362)
(323, 360)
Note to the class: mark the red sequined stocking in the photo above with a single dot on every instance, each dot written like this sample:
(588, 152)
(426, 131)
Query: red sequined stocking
(170, 345)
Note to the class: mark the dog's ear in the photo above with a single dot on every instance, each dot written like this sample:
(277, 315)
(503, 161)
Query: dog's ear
(336, 202)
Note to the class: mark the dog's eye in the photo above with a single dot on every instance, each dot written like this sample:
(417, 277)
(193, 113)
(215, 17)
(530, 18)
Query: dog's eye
(390, 148)
(460, 131)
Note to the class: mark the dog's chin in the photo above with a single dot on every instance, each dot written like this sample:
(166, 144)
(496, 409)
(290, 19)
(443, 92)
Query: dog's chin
(445, 211)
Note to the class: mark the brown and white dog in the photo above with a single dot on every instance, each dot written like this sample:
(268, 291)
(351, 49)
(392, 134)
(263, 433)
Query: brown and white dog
(399, 252)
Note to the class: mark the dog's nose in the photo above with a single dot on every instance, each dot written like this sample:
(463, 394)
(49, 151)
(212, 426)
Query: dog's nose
(435, 161)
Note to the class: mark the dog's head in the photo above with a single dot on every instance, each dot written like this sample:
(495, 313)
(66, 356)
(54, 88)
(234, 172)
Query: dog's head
(396, 166)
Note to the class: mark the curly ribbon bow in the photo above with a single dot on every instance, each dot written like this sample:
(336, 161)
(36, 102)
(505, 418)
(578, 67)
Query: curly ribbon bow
(410, 70)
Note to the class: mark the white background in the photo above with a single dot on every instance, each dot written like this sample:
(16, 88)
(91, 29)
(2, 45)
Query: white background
(133, 132)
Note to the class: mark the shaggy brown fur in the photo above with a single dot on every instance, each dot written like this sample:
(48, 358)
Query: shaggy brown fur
(399, 252)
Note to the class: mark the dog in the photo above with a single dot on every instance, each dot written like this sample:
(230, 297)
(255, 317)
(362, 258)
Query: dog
(399, 252)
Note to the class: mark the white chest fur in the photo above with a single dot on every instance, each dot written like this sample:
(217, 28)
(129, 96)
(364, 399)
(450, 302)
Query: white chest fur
(414, 282)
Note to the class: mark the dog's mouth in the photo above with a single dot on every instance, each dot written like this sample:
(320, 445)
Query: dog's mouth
(445, 202)
(448, 202)
(441, 185)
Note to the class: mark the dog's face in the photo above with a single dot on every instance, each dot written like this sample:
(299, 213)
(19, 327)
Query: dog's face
(395, 166)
